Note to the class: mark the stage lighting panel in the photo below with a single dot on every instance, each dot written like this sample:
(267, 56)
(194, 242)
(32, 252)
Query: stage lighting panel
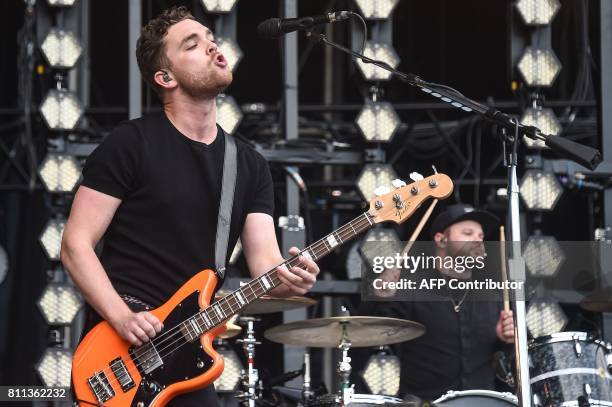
(538, 12)
(55, 367)
(229, 379)
(218, 6)
(61, 109)
(373, 176)
(540, 190)
(545, 318)
(378, 121)
(229, 114)
(545, 120)
(61, 3)
(51, 238)
(353, 262)
(376, 9)
(543, 256)
(382, 374)
(59, 172)
(379, 51)
(59, 304)
(230, 50)
(380, 242)
(539, 67)
(61, 49)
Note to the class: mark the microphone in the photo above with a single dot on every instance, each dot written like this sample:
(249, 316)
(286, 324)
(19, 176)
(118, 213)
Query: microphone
(275, 27)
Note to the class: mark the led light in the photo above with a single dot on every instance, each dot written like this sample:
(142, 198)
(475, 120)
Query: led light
(379, 51)
(540, 190)
(230, 50)
(61, 3)
(59, 304)
(545, 318)
(51, 238)
(61, 110)
(229, 379)
(60, 173)
(382, 374)
(380, 242)
(54, 367)
(378, 121)
(218, 6)
(379, 9)
(539, 67)
(229, 114)
(543, 256)
(61, 49)
(374, 176)
(538, 12)
(545, 120)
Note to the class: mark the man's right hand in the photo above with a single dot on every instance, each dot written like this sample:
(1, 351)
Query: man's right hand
(137, 327)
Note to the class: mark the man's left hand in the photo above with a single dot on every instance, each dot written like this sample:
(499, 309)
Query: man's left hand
(505, 327)
(299, 279)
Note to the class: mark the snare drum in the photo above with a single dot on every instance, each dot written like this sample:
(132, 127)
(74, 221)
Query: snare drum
(477, 398)
(357, 400)
(567, 366)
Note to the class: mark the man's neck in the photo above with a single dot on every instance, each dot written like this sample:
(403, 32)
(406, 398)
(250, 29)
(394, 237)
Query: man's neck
(195, 119)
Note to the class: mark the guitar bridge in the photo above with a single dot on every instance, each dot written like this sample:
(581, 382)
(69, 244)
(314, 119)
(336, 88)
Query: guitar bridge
(121, 373)
(101, 387)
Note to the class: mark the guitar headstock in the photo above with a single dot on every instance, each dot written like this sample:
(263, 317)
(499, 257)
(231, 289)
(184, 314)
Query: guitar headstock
(399, 204)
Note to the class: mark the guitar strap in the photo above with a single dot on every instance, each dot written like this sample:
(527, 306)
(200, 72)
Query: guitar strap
(228, 185)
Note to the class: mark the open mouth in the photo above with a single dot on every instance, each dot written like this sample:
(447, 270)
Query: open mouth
(220, 60)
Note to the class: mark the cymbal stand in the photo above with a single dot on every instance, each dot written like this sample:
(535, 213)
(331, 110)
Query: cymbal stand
(344, 369)
(250, 378)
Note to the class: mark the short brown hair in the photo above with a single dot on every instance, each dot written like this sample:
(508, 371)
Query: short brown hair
(151, 46)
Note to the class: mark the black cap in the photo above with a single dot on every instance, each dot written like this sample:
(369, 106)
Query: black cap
(460, 212)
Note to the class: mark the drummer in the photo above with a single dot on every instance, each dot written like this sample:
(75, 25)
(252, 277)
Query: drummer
(456, 352)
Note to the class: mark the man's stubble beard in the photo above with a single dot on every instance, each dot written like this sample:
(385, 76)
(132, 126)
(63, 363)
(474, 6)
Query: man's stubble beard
(205, 85)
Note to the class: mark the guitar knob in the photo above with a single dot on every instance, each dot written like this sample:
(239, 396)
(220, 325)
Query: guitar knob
(381, 190)
(415, 176)
(398, 183)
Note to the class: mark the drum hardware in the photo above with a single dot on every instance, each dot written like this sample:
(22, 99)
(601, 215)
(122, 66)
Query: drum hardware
(250, 378)
(477, 398)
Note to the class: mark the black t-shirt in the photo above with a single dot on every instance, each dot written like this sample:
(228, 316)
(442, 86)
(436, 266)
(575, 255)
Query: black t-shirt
(456, 351)
(163, 232)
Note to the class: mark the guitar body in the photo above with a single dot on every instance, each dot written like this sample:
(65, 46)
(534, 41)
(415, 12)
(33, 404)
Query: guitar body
(186, 368)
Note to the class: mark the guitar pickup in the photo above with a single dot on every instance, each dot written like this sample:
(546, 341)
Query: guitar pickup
(101, 387)
(146, 358)
(121, 373)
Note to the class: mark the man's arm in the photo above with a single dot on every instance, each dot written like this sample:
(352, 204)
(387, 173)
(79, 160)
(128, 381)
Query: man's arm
(262, 254)
(91, 213)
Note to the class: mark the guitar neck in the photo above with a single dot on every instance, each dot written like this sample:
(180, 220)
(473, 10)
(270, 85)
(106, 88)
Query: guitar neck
(233, 303)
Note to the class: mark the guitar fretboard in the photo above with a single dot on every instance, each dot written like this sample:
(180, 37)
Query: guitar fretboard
(234, 302)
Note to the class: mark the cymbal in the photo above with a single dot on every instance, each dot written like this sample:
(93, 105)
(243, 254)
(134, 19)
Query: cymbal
(267, 304)
(361, 331)
(598, 301)
(231, 329)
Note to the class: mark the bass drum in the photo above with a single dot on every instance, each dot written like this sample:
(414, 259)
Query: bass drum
(477, 398)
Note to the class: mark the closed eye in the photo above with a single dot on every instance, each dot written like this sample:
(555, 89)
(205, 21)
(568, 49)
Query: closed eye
(192, 46)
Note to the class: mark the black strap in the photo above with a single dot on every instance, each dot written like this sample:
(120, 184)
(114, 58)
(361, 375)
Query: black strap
(228, 185)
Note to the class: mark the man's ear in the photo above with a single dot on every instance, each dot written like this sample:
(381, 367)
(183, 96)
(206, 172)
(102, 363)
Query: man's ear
(441, 240)
(164, 79)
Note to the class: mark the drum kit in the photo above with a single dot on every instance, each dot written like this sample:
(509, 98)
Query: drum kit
(566, 369)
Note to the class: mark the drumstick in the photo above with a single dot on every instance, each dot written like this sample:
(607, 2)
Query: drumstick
(419, 227)
(502, 250)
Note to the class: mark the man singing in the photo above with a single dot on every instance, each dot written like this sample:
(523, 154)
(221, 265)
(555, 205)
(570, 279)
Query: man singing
(152, 190)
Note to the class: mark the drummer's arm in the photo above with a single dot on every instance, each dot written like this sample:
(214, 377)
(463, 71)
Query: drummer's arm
(262, 254)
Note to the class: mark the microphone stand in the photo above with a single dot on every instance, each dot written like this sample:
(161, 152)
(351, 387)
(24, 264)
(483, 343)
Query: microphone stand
(586, 156)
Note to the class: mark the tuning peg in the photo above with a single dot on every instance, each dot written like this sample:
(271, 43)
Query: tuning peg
(398, 183)
(415, 176)
(381, 190)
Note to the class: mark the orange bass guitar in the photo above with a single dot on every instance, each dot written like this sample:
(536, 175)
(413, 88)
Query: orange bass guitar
(108, 371)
